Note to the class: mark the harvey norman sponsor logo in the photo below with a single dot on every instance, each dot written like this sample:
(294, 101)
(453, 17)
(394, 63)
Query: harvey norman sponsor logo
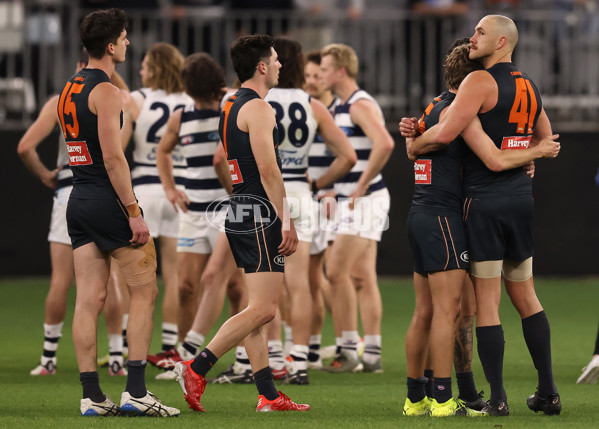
(422, 171)
(515, 143)
(78, 153)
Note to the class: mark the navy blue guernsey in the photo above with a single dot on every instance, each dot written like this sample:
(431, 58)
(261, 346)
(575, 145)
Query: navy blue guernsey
(510, 125)
(437, 181)
(80, 130)
(242, 164)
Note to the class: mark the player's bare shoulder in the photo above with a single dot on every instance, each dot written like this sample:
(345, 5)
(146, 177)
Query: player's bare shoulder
(255, 112)
(107, 96)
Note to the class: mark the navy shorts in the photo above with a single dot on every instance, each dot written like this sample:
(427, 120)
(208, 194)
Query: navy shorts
(254, 240)
(104, 222)
(500, 227)
(438, 242)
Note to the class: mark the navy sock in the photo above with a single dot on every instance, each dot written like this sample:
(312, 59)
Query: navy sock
(428, 387)
(537, 335)
(416, 391)
(91, 386)
(466, 386)
(265, 383)
(597, 344)
(491, 345)
(203, 362)
(442, 392)
(136, 378)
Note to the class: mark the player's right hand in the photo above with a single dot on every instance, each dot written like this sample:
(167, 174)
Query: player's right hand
(178, 199)
(140, 230)
(549, 147)
(51, 180)
(289, 242)
(408, 127)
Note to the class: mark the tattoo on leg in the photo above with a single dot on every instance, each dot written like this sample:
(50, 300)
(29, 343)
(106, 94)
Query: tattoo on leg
(462, 356)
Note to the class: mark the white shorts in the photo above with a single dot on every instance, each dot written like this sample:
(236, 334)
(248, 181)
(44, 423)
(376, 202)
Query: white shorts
(198, 231)
(324, 232)
(159, 213)
(368, 219)
(59, 232)
(302, 213)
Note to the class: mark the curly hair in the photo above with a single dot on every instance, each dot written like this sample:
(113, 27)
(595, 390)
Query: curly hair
(203, 77)
(164, 62)
(458, 66)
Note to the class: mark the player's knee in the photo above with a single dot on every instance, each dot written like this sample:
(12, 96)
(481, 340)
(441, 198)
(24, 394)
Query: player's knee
(335, 275)
(235, 290)
(518, 271)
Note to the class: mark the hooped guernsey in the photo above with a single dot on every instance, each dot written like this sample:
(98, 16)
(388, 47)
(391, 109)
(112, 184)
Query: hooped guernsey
(510, 125)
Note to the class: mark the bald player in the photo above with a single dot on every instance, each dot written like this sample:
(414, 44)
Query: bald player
(498, 206)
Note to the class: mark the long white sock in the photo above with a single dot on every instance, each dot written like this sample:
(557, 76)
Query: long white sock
(52, 333)
(125, 344)
(299, 353)
(193, 342)
(372, 348)
(275, 354)
(169, 336)
(350, 343)
(241, 358)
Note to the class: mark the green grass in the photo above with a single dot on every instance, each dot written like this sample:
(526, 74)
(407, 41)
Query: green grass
(357, 400)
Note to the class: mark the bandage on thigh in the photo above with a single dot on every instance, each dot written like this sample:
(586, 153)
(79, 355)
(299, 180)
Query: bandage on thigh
(517, 271)
(138, 264)
(486, 269)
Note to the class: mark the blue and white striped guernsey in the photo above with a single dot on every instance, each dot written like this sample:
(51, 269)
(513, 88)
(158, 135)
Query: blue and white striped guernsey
(150, 125)
(297, 128)
(320, 157)
(198, 141)
(361, 144)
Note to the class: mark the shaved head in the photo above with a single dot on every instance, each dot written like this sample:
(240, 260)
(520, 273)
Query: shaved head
(503, 26)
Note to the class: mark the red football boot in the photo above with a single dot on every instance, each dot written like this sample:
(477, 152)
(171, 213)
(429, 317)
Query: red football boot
(165, 360)
(282, 403)
(193, 385)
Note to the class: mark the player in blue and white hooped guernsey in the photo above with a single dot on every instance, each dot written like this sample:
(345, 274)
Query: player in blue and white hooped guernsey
(146, 114)
(362, 210)
(299, 117)
(203, 253)
(60, 180)
(319, 160)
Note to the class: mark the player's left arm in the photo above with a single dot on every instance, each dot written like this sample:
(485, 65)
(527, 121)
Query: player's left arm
(337, 142)
(542, 128)
(365, 114)
(499, 160)
(475, 91)
(132, 102)
(221, 167)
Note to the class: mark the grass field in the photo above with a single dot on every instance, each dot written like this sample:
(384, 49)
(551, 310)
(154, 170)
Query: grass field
(356, 400)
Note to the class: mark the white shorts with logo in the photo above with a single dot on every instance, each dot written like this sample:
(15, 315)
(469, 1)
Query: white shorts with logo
(324, 232)
(159, 213)
(58, 221)
(198, 231)
(368, 219)
(299, 199)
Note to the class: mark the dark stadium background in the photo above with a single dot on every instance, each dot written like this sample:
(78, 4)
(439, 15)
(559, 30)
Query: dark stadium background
(566, 210)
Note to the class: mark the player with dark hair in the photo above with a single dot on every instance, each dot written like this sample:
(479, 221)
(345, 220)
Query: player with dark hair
(498, 206)
(104, 219)
(258, 225)
(299, 118)
(61, 253)
(194, 130)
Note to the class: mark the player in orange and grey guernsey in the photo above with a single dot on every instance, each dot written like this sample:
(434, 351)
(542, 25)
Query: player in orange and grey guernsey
(104, 219)
(498, 207)
(258, 225)
(61, 253)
